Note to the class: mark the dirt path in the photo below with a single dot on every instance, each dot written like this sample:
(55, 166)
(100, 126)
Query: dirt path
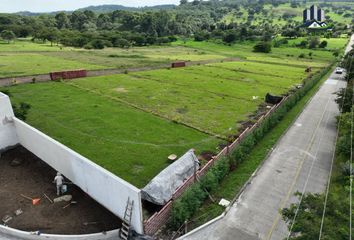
(103, 72)
(33, 177)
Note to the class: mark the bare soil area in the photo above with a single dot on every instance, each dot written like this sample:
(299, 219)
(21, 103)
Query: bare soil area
(21, 172)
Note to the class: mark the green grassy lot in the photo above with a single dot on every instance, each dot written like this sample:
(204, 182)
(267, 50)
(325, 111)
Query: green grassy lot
(21, 64)
(25, 45)
(24, 57)
(233, 183)
(130, 143)
(245, 50)
(127, 123)
(333, 43)
(213, 98)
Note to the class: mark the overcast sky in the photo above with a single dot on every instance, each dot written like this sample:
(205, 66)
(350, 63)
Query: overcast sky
(9, 6)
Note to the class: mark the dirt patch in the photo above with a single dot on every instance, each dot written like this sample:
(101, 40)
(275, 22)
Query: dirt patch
(121, 90)
(23, 173)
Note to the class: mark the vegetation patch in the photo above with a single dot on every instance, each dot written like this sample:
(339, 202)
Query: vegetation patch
(115, 136)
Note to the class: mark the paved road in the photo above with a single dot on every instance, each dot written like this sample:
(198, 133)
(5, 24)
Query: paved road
(300, 162)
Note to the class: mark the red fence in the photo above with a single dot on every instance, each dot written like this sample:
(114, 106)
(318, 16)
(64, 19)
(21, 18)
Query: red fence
(156, 221)
(178, 64)
(68, 74)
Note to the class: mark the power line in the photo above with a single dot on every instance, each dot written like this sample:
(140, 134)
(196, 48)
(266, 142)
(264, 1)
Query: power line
(309, 173)
(331, 169)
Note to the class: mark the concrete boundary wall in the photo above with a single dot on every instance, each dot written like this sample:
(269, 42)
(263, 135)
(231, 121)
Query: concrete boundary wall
(11, 233)
(103, 186)
(106, 188)
(8, 136)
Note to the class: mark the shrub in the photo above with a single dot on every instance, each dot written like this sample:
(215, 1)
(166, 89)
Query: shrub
(220, 169)
(265, 47)
(97, 44)
(344, 145)
(323, 44)
(184, 208)
(21, 111)
(209, 182)
(201, 36)
(230, 37)
(88, 46)
(302, 55)
(314, 42)
(303, 44)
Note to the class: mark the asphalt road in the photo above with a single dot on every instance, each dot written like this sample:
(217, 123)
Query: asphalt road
(301, 161)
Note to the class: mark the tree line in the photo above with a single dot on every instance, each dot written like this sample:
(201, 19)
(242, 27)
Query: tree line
(201, 20)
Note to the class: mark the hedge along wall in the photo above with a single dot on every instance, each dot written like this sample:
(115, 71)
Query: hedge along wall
(190, 196)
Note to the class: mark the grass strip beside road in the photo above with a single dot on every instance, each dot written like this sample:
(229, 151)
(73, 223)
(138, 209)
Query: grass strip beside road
(233, 183)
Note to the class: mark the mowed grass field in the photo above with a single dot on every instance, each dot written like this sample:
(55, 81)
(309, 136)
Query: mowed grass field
(130, 143)
(213, 98)
(130, 123)
(23, 57)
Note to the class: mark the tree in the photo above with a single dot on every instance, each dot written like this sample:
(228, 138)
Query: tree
(230, 37)
(183, 2)
(314, 42)
(51, 35)
(265, 47)
(344, 99)
(7, 35)
(62, 20)
(323, 44)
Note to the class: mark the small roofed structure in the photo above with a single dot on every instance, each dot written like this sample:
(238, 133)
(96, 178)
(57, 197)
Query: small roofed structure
(178, 64)
(161, 188)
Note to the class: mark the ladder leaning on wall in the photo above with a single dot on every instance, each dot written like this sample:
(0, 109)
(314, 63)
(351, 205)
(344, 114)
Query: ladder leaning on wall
(124, 231)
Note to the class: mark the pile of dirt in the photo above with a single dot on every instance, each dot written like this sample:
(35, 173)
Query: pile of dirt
(21, 172)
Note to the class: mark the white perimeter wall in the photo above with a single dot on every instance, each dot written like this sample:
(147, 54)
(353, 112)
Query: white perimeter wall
(106, 188)
(7, 130)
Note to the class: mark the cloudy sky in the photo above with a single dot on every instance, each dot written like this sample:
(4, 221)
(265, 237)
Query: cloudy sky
(8, 6)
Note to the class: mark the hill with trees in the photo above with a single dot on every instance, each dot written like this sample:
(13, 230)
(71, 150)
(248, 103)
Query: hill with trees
(221, 21)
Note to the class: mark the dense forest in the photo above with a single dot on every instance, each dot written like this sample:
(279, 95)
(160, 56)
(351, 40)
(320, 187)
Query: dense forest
(201, 20)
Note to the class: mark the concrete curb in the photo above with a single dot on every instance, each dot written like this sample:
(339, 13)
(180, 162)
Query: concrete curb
(7, 232)
(203, 226)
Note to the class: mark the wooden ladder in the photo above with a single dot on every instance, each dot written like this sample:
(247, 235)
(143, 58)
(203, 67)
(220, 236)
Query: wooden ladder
(124, 231)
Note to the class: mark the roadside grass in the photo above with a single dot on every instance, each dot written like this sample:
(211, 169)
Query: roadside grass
(213, 98)
(234, 182)
(130, 143)
(22, 64)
